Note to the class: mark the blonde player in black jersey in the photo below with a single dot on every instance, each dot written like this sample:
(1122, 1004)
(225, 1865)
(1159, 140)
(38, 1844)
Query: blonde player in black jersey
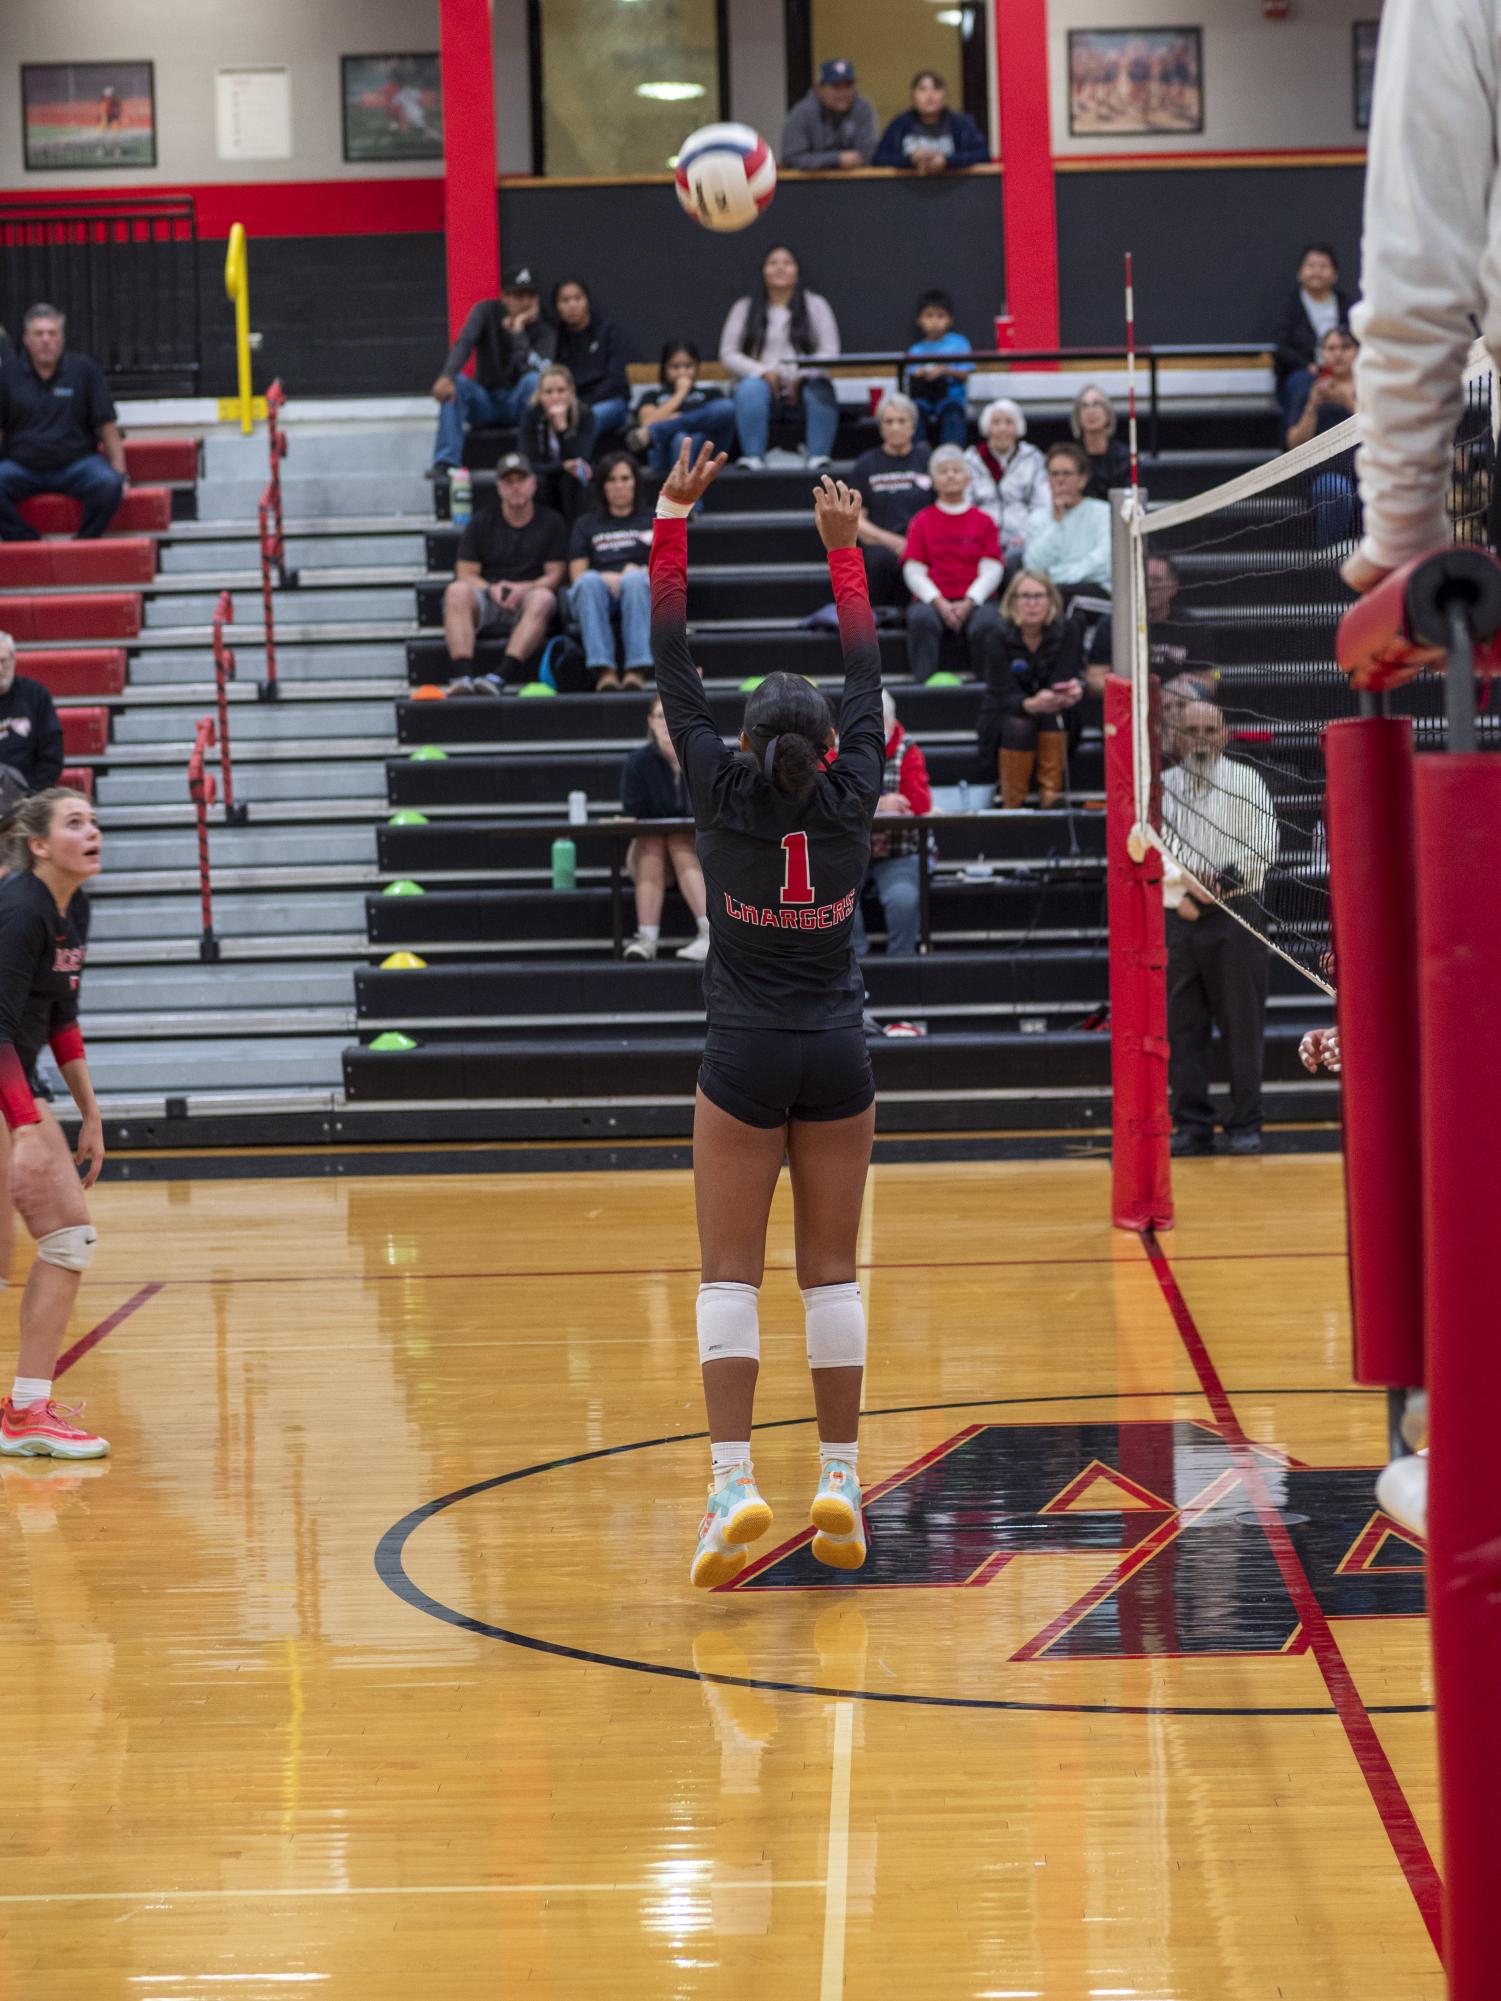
(784, 840)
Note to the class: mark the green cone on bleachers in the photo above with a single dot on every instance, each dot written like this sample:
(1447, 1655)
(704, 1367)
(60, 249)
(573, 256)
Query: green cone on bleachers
(393, 1039)
(535, 688)
(945, 680)
(407, 817)
(750, 684)
(428, 753)
(403, 888)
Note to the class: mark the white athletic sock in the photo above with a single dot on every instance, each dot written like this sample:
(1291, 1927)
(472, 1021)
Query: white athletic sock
(703, 927)
(828, 1450)
(27, 1390)
(725, 1456)
(650, 930)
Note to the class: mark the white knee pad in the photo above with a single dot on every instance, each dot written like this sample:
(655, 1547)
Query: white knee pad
(72, 1249)
(836, 1326)
(729, 1322)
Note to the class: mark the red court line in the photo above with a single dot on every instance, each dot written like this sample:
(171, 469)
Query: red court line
(106, 1326)
(1390, 1801)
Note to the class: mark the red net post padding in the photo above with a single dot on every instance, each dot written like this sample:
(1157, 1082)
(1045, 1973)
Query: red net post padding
(224, 673)
(201, 792)
(1373, 897)
(1458, 821)
(1141, 1190)
(1402, 626)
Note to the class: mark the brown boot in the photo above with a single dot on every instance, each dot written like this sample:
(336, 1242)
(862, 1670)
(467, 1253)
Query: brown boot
(1052, 766)
(1016, 776)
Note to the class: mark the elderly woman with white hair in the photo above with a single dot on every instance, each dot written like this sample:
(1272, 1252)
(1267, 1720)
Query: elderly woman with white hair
(953, 570)
(1093, 423)
(1007, 477)
(892, 480)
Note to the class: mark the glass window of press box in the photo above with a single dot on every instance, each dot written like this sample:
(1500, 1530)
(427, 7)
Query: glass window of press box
(889, 41)
(618, 84)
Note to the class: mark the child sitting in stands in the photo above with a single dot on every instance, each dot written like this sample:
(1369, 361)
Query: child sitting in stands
(939, 388)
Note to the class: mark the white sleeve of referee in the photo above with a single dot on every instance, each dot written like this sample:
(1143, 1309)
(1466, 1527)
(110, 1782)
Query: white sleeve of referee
(1431, 252)
(917, 579)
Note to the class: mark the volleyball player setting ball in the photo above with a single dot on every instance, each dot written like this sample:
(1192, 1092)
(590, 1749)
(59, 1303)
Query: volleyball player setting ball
(51, 846)
(784, 840)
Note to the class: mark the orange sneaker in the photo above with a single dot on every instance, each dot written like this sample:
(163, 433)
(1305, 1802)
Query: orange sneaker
(43, 1431)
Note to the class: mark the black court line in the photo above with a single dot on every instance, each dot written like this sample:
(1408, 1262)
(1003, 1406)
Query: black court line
(390, 1568)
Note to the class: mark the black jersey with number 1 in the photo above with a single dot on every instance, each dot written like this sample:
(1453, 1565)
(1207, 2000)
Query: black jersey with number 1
(783, 874)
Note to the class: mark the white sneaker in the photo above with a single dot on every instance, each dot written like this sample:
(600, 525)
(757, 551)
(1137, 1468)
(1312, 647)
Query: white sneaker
(819, 462)
(1402, 1491)
(752, 464)
(697, 950)
(640, 948)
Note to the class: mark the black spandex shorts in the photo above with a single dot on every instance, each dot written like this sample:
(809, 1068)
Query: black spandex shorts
(766, 1076)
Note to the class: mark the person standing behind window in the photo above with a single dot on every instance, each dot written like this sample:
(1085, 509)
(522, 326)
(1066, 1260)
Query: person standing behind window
(764, 338)
(833, 128)
(930, 138)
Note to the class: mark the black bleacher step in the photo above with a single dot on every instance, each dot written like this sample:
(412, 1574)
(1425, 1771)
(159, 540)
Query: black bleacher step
(622, 716)
(722, 655)
(1064, 897)
(475, 846)
(782, 594)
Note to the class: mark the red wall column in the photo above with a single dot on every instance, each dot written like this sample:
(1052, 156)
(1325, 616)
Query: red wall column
(469, 207)
(1031, 214)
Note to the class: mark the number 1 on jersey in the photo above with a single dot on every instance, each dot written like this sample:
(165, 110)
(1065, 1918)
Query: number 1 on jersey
(797, 883)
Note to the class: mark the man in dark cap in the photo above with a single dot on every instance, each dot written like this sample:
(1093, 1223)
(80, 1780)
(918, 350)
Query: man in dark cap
(506, 581)
(833, 128)
(511, 343)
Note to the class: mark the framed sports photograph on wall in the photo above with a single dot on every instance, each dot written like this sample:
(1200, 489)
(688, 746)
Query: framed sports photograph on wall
(393, 107)
(88, 115)
(1123, 82)
(1365, 33)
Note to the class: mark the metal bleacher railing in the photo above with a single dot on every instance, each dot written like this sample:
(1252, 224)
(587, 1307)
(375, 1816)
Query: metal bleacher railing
(125, 271)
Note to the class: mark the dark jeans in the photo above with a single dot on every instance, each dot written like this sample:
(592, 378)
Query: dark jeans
(943, 419)
(883, 576)
(1216, 977)
(92, 479)
(928, 638)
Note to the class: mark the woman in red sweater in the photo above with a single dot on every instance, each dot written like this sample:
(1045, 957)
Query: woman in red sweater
(953, 569)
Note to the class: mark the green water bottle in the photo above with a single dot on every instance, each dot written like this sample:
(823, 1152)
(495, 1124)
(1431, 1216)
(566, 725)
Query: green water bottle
(565, 863)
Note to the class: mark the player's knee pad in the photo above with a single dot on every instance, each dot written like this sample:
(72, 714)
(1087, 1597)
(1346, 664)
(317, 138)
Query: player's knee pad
(71, 1249)
(836, 1326)
(729, 1322)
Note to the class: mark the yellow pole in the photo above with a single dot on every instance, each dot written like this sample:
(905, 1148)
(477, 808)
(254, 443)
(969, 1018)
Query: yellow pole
(237, 285)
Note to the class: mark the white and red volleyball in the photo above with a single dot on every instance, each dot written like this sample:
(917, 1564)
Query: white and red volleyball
(726, 176)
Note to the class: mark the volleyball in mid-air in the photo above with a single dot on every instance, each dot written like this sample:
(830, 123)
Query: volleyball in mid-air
(725, 176)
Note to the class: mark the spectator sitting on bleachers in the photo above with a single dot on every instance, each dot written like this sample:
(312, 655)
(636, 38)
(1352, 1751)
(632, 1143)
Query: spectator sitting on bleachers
(594, 351)
(607, 561)
(940, 388)
(55, 414)
(1314, 308)
(557, 434)
(510, 342)
(1069, 535)
(1316, 403)
(1031, 715)
(893, 483)
(893, 850)
(652, 788)
(31, 737)
(764, 338)
(833, 128)
(1180, 694)
(679, 407)
(929, 137)
(509, 571)
(953, 570)
(1093, 423)
(1008, 478)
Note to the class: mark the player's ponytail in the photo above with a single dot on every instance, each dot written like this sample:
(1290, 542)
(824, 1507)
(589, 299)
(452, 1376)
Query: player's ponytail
(788, 724)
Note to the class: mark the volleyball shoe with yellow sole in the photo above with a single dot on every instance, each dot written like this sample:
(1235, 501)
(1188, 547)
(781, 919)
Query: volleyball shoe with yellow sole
(736, 1516)
(836, 1515)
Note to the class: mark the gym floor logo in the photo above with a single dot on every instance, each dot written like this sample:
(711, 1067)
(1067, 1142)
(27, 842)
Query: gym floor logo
(1194, 1570)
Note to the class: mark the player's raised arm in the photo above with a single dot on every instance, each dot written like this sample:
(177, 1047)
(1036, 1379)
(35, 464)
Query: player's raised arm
(862, 731)
(690, 720)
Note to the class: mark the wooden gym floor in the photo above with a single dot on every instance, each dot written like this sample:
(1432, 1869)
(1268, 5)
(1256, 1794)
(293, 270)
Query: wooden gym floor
(367, 1666)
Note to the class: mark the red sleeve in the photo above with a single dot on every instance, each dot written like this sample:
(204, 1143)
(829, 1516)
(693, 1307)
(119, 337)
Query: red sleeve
(17, 1106)
(66, 1043)
(916, 790)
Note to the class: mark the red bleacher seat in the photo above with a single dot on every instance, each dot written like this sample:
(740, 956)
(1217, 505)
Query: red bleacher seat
(119, 559)
(76, 670)
(145, 510)
(79, 778)
(85, 731)
(173, 460)
(64, 616)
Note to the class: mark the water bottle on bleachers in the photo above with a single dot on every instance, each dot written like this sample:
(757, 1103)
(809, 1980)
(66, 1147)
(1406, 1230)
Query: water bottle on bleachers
(460, 497)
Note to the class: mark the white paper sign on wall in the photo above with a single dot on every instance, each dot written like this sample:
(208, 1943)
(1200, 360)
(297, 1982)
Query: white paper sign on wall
(253, 113)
